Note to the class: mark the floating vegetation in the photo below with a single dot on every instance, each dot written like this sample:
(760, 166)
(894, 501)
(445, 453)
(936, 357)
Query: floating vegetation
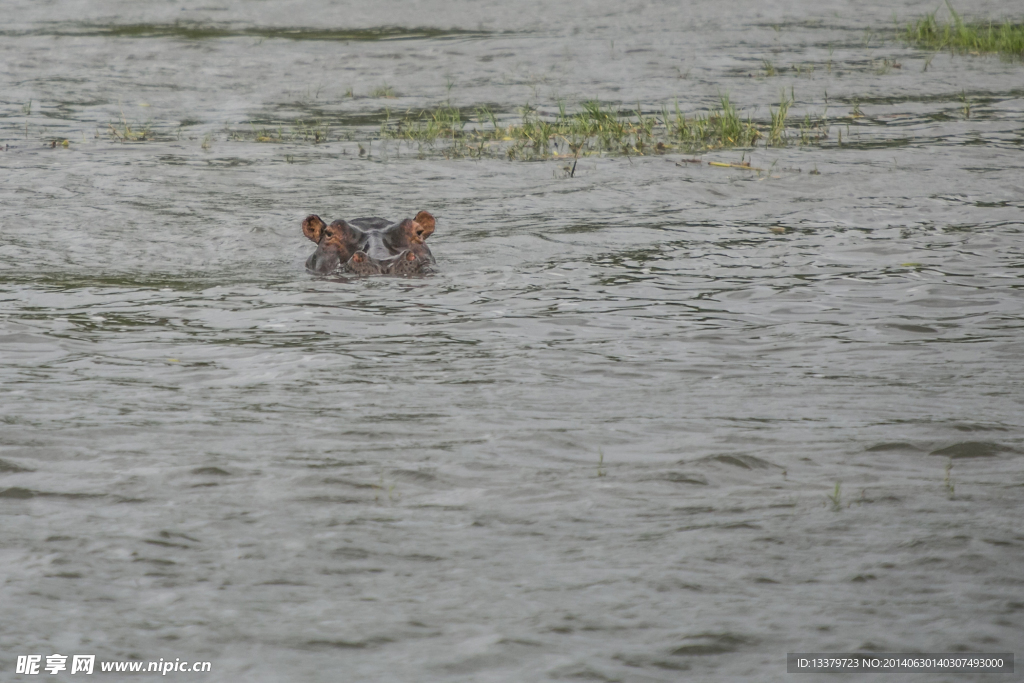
(384, 91)
(768, 69)
(886, 66)
(124, 131)
(597, 129)
(963, 37)
(301, 131)
(315, 131)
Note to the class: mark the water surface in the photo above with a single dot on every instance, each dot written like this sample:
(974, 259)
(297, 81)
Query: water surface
(600, 443)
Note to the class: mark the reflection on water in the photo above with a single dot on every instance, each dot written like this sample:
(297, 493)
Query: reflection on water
(603, 443)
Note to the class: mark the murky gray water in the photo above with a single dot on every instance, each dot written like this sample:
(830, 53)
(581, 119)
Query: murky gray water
(600, 444)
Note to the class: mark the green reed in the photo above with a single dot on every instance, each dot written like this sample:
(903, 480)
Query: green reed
(836, 498)
(963, 37)
(777, 130)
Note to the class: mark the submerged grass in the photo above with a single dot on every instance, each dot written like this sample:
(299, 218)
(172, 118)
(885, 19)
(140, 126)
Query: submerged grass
(531, 133)
(385, 91)
(963, 37)
(534, 132)
(597, 128)
(836, 498)
(301, 131)
(126, 131)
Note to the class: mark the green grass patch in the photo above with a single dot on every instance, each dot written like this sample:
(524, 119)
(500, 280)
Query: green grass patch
(721, 127)
(594, 128)
(964, 37)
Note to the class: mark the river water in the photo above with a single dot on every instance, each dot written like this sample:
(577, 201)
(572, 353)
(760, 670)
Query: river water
(603, 443)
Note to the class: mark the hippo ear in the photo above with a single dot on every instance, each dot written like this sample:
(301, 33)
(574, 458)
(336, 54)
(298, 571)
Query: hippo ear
(414, 231)
(313, 227)
(426, 221)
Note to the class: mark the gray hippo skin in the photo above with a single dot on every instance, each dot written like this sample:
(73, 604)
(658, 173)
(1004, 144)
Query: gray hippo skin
(370, 246)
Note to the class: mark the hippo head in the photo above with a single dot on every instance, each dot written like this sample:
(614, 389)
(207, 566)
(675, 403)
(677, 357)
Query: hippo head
(410, 232)
(335, 243)
(376, 247)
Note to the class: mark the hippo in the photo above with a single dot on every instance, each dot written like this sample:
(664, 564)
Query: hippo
(370, 246)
